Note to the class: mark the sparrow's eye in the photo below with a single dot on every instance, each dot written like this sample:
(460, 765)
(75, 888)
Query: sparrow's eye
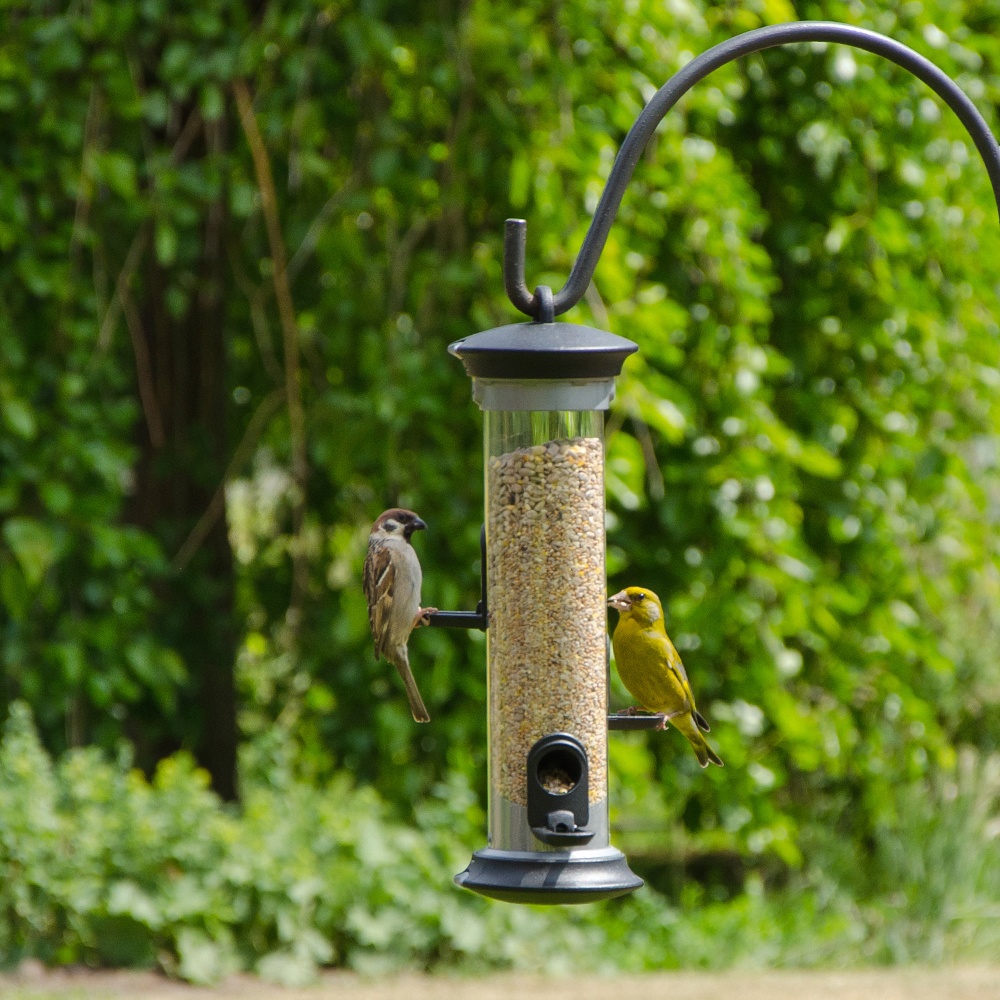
(391, 525)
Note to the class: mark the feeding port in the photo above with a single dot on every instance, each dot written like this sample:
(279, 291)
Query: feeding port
(558, 804)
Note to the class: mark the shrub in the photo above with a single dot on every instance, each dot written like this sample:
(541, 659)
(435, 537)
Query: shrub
(98, 865)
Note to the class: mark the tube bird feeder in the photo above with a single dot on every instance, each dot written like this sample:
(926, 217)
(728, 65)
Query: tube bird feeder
(543, 388)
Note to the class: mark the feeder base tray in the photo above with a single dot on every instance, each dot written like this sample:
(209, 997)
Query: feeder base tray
(517, 877)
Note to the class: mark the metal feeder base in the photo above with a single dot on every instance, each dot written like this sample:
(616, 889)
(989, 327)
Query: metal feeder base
(519, 877)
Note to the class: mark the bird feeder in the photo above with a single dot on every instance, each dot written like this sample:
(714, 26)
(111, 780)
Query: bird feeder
(543, 388)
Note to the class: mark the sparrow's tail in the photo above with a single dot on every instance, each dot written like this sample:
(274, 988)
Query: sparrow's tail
(401, 661)
(704, 753)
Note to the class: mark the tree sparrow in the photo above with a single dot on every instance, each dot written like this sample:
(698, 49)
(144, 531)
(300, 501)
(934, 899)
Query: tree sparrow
(392, 582)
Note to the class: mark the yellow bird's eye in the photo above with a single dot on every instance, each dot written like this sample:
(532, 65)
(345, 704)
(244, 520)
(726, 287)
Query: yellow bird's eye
(640, 597)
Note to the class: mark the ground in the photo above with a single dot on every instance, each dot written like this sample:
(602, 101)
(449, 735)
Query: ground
(967, 983)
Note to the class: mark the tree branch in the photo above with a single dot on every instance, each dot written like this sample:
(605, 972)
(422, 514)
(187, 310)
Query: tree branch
(217, 505)
(86, 185)
(143, 371)
(131, 265)
(84, 191)
(256, 296)
(289, 326)
(597, 307)
(654, 474)
(138, 247)
(320, 223)
(400, 254)
(302, 102)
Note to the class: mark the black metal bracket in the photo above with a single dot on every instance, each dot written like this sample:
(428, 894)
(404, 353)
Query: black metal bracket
(480, 618)
(543, 305)
(624, 721)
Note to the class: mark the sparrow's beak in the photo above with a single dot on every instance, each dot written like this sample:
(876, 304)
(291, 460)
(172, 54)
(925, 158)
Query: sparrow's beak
(620, 601)
(417, 525)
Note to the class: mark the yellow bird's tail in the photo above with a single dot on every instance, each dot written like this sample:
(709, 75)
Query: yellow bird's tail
(705, 754)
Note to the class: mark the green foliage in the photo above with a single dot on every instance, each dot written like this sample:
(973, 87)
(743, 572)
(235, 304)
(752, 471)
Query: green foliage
(826, 504)
(802, 462)
(818, 410)
(99, 866)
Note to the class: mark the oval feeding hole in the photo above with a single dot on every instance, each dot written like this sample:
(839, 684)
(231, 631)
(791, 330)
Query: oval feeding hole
(559, 770)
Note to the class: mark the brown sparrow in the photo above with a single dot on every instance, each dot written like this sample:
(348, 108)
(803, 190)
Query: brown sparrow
(392, 582)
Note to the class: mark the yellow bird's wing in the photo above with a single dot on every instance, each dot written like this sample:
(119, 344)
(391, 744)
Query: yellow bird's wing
(672, 659)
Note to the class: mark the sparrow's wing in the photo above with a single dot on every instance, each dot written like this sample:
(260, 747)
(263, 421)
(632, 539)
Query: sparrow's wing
(379, 584)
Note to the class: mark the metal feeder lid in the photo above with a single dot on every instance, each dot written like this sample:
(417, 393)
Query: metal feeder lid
(543, 351)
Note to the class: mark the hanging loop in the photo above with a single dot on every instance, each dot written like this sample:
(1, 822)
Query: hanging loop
(546, 310)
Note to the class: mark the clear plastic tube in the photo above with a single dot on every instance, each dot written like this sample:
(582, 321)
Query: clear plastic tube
(547, 594)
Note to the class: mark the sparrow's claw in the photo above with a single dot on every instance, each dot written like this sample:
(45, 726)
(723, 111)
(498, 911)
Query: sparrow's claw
(423, 616)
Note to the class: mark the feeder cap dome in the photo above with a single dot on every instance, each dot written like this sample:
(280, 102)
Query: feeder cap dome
(543, 351)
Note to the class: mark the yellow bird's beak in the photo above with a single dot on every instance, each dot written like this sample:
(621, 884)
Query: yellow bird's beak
(620, 601)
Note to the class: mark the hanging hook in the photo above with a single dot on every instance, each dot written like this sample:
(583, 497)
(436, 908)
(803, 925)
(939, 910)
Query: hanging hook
(541, 305)
(515, 237)
(667, 96)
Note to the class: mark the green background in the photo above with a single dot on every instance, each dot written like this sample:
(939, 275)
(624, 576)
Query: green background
(801, 462)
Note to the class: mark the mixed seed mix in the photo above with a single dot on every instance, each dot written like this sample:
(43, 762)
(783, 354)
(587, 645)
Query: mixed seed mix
(547, 607)
(556, 781)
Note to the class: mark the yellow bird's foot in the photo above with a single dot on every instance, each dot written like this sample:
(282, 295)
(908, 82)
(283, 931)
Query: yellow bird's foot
(631, 710)
(423, 616)
(665, 717)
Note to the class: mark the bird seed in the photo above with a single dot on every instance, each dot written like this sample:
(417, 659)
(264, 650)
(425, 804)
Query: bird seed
(548, 613)
(556, 781)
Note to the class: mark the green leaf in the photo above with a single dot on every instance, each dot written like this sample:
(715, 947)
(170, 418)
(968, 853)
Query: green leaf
(57, 497)
(520, 178)
(35, 546)
(14, 594)
(287, 969)
(117, 170)
(202, 960)
(125, 897)
(212, 102)
(815, 459)
(18, 416)
(166, 242)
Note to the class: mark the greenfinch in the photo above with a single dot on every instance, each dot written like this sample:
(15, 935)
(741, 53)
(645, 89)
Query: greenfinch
(652, 671)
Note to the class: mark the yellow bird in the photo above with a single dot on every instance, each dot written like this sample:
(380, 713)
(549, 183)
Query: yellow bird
(652, 671)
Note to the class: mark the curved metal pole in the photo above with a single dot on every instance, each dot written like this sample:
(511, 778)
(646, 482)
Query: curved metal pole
(545, 309)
